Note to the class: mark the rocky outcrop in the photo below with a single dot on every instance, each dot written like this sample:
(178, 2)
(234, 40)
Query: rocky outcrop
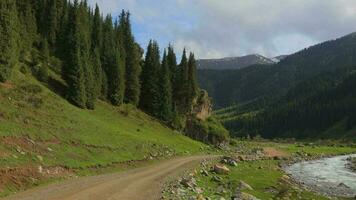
(203, 106)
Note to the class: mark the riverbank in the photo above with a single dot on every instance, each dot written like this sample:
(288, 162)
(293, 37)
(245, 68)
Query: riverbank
(328, 176)
(258, 173)
(352, 163)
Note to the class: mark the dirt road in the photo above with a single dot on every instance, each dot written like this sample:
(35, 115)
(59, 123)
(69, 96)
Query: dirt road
(138, 184)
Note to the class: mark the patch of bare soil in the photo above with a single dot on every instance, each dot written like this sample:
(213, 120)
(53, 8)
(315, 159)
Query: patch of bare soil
(272, 152)
(25, 144)
(23, 177)
(7, 85)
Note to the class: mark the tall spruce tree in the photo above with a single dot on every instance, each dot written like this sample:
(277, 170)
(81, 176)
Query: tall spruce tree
(174, 72)
(52, 22)
(75, 72)
(132, 61)
(165, 91)
(27, 25)
(8, 38)
(85, 53)
(149, 99)
(113, 64)
(192, 80)
(182, 91)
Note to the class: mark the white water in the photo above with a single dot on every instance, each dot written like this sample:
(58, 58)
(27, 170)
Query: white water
(328, 176)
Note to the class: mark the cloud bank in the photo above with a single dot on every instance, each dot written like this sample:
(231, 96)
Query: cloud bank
(223, 28)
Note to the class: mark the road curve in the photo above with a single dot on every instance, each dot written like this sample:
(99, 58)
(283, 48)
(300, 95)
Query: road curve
(137, 184)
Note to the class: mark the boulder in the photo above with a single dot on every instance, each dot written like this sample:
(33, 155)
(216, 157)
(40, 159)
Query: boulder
(230, 161)
(200, 197)
(189, 182)
(221, 169)
(243, 186)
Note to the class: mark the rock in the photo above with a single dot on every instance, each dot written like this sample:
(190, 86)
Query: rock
(343, 185)
(285, 179)
(221, 190)
(180, 192)
(277, 158)
(229, 160)
(200, 197)
(189, 182)
(217, 179)
(241, 158)
(40, 169)
(245, 196)
(221, 169)
(243, 186)
(204, 172)
(40, 158)
(198, 190)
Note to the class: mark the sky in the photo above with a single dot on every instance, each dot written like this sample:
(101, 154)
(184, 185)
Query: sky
(225, 28)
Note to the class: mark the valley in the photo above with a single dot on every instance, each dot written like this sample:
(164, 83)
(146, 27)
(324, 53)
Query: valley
(93, 108)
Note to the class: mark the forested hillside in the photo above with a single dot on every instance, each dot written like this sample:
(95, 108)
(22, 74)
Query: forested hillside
(321, 107)
(309, 94)
(263, 82)
(83, 56)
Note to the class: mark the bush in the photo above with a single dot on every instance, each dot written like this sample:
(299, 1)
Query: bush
(209, 131)
(31, 88)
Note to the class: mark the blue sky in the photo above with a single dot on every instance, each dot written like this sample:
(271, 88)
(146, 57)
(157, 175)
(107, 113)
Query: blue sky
(222, 28)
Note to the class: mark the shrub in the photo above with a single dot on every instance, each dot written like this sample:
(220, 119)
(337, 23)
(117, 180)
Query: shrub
(209, 131)
(31, 88)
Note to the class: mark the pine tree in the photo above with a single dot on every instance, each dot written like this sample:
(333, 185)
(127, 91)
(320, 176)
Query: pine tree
(8, 45)
(132, 61)
(149, 99)
(165, 91)
(98, 72)
(85, 46)
(182, 91)
(96, 45)
(97, 32)
(112, 64)
(52, 22)
(192, 81)
(75, 72)
(27, 25)
(43, 70)
(174, 71)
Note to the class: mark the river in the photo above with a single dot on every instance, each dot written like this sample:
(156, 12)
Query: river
(328, 176)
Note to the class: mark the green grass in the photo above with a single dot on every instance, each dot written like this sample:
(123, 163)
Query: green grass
(265, 175)
(260, 179)
(78, 139)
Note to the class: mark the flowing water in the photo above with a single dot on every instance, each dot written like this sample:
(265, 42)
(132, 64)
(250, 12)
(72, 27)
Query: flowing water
(329, 176)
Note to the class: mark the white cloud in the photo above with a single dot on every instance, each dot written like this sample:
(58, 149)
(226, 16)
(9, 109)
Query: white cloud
(217, 28)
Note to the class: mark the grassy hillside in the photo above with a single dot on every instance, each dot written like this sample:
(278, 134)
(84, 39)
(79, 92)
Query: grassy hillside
(40, 128)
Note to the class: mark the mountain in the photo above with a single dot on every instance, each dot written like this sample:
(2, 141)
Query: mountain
(321, 107)
(263, 83)
(279, 58)
(235, 62)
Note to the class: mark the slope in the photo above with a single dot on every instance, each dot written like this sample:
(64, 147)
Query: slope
(40, 131)
(321, 107)
(261, 82)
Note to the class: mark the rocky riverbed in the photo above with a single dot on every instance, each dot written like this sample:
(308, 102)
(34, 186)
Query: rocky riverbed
(329, 176)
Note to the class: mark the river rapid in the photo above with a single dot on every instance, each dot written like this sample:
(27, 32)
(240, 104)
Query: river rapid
(329, 176)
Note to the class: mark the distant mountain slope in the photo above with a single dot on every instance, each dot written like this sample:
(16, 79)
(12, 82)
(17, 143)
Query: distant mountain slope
(234, 62)
(322, 107)
(264, 82)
